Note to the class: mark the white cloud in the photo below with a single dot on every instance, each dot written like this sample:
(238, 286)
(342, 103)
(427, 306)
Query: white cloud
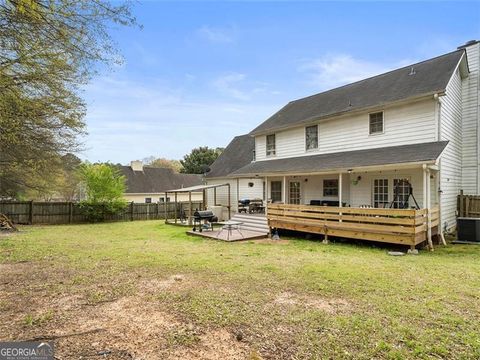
(229, 85)
(128, 120)
(216, 35)
(335, 70)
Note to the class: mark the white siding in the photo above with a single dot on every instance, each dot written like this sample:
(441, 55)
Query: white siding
(470, 119)
(222, 192)
(313, 188)
(405, 124)
(244, 191)
(362, 192)
(451, 160)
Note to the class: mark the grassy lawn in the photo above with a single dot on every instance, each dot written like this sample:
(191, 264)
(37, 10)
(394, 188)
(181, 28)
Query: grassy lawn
(146, 290)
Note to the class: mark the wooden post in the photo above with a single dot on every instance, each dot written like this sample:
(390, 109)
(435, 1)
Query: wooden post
(467, 206)
(204, 205)
(30, 214)
(461, 204)
(131, 211)
(165, 209)
(190, 208)
(157, 215)
(215, 196)
(284, 192)
(229, 203)
(175, 210)
(70, 212)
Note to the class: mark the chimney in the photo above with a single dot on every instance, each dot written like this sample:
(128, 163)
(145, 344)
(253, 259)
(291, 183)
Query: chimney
(136, 165)
(468, 43)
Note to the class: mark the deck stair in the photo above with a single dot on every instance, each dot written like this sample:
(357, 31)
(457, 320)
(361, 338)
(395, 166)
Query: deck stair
(256, 223)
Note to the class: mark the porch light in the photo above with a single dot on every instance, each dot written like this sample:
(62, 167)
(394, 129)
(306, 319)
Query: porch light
(349, 171)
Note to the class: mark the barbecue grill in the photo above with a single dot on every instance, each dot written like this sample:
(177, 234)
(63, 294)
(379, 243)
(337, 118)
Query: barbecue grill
(205, 216)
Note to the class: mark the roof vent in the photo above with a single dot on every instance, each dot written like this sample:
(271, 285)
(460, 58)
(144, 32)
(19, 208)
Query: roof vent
(468, 43)
(412, 71)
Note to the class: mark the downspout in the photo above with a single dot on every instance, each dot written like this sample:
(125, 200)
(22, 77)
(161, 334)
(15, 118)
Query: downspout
(438, 115)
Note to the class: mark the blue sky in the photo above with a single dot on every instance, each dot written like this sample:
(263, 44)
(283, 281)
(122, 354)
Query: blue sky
(199, 73)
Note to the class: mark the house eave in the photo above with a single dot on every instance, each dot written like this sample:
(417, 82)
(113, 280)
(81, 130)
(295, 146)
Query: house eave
(329, 117)
(395, 166)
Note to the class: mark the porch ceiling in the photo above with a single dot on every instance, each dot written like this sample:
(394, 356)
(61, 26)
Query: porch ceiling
(415, 153)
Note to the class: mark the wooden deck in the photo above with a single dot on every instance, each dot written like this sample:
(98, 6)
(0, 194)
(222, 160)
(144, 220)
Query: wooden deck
(223, 235)
(396, 226)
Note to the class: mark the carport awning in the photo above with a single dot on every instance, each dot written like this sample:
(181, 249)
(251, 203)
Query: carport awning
(196, 188)
(341, 161)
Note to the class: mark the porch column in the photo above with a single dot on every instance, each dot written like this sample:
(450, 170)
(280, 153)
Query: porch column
(284, 192)
(426, 204)
(340, 178)
(238, 193)
(266, 195)
(190, 208)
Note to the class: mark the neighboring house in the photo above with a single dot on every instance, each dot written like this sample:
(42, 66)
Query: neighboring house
(148, 184)
(357, 142)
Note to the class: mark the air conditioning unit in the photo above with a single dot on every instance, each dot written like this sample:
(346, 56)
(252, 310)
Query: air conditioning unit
(468, 229)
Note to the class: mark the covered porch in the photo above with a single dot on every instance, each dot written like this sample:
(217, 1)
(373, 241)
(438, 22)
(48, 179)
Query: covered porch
(389, 197)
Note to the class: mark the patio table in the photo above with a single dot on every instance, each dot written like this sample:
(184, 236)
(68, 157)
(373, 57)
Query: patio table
(230, 226)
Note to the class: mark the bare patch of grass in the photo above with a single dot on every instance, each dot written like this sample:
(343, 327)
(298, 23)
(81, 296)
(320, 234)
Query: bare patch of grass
(145, 290)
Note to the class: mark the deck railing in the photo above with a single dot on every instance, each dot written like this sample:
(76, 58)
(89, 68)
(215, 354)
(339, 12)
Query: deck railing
(398, 226)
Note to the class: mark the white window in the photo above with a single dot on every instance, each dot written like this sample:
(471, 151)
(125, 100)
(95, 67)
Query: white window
(330, 187)
(271, 145)
(401, 193)
(376, 123)
(380, 193)
(276, 191)
(311, 137)
(295, 194)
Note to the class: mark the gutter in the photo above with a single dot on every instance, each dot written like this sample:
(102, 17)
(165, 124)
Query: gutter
(339, 170)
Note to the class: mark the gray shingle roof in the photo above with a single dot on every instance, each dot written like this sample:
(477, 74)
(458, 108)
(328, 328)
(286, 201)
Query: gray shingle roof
(156, 180)
(431, 76)
(236, 155)
(346, 160)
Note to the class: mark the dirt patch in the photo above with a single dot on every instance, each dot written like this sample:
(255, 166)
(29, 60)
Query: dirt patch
(269, 241)
(214, 345)
(331, 306)
(151, 286)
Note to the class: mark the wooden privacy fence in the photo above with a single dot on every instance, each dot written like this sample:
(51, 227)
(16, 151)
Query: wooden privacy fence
(30, 212)
(397, 226)
(468, 205)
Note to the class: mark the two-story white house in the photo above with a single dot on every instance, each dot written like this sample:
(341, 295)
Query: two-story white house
(369, 144)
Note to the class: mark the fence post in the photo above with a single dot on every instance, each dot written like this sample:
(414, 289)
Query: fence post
(131, 211)
(467, 205)
(70, 212)
(30, 214)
